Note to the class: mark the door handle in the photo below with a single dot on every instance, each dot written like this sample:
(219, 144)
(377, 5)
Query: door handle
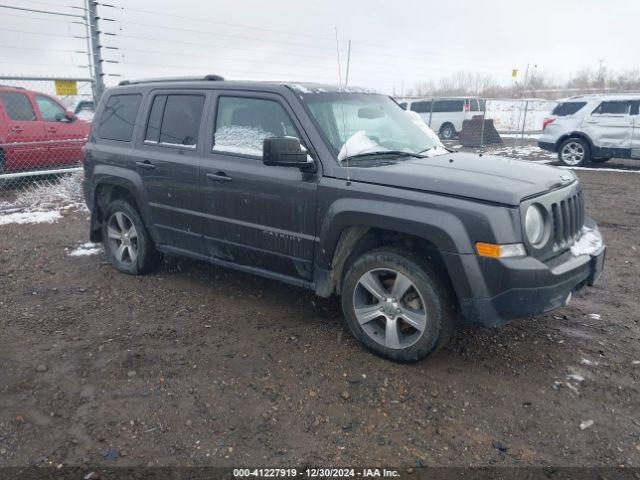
(16, 129)
(592, 121)
(146, 165)
(219, 177)
(52, 129)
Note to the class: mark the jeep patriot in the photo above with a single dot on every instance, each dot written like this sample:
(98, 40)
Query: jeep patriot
(341, 191)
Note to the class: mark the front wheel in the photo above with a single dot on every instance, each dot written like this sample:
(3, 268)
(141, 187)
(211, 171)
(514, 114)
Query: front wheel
(128, 245)
(396, 306)
(574, 152)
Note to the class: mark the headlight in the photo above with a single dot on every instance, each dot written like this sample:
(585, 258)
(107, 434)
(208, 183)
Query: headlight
(534, 224)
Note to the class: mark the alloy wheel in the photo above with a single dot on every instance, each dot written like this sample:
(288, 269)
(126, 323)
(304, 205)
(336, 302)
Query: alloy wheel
(572, 153)
(389, 308)
(122, 238)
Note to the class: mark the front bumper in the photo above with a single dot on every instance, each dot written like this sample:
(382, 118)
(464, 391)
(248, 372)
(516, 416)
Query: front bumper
(526, 286)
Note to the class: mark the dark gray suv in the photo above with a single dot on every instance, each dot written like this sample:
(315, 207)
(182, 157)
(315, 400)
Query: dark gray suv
(340, 191)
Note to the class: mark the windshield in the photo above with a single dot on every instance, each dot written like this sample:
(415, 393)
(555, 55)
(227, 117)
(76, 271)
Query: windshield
(357, 124)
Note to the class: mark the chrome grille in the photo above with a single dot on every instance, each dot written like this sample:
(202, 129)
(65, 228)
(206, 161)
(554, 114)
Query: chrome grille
(568, 218)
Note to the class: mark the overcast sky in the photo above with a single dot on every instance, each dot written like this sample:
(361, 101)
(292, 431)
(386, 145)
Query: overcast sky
(395, 44)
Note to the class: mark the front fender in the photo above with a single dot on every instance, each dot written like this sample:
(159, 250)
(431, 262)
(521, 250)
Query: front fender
(440, 227)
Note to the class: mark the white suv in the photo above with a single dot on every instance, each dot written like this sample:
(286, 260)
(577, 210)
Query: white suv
(593, 128)
(445, 115)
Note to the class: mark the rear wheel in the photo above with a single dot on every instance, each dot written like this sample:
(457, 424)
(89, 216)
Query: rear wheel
(574, 152)
(128, 245)
(447, 131)
(396, 306)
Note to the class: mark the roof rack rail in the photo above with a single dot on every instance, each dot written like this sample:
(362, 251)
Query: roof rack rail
(210, 77)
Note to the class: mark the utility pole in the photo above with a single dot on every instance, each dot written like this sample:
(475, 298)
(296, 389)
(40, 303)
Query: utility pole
(346, 81)
(601, 74)
(94, 38)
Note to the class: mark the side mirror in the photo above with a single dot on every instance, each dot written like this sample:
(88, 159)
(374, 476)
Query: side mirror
(67, 117)
(285, 152)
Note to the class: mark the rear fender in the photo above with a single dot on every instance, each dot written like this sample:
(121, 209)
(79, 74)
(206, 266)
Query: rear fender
(131, 181)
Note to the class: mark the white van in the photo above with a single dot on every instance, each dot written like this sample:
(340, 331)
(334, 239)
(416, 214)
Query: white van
(445, 115)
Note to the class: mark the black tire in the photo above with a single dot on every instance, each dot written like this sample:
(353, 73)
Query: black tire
(600, 160)
(582, 154)
(431, 294)
(447, 131)
(146, 256)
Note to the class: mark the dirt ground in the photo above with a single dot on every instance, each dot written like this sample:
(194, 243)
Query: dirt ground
(198, 365)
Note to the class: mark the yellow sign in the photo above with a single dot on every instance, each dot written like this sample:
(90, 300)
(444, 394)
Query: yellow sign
(514, 72)
(66, 87)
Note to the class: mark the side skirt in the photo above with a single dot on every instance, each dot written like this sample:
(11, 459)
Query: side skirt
(242, 268)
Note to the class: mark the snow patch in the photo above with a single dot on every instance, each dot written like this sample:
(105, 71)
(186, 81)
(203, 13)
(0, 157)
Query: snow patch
(300, 88)
(523, 151)
(86, 249)
(509, 115)
(576, 377)
(359, 143)
(594, 316)
(240, 139)
(37, 216)
(589, 242)
(586, 424)
(600, 169)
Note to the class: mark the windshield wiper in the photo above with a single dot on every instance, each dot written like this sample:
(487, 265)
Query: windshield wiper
(393, 153)
(434, 147)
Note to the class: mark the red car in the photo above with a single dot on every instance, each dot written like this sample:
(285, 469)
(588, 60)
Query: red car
(37, 132)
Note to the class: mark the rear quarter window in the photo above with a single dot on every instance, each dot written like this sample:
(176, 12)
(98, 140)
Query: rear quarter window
(565, 109)
(119, 117)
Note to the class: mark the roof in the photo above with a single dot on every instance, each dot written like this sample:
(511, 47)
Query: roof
(206, 81)
(429, 98)
(603, 96)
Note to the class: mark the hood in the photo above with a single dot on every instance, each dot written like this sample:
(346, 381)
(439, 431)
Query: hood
(489, 178)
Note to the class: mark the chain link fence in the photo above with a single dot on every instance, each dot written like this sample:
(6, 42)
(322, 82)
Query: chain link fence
(44, 123)
(509, 115)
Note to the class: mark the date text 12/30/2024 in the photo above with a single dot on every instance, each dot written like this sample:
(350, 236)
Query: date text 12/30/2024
(315, 472)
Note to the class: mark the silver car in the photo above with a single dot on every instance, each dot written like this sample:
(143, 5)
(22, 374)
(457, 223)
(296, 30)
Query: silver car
(593, 128)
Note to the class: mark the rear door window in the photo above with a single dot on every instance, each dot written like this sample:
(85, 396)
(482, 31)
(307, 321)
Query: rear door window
(174, 120)
(441, 106)
(119, 117)
(565, 109)
(473, 104)
(615, 107)
(17, 106)
(243, 123)
(421, 107)
(181, 120)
